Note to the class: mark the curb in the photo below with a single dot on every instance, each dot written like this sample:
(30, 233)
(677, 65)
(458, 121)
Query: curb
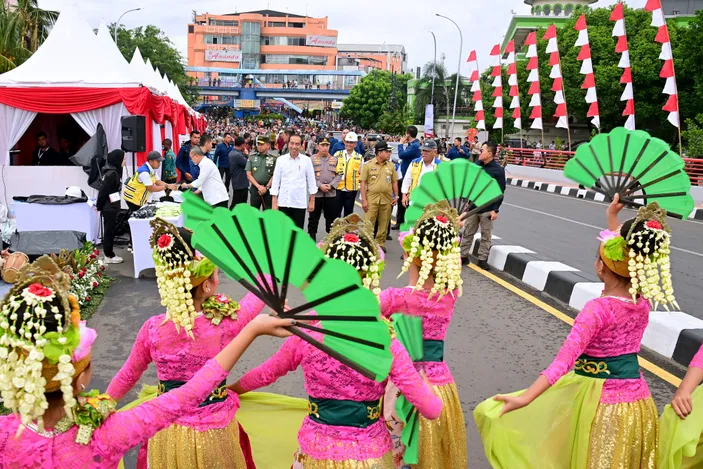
(674, 335)
(575, 192)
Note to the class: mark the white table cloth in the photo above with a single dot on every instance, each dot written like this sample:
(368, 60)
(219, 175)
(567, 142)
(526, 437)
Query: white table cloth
(71, 217)
(141, 250)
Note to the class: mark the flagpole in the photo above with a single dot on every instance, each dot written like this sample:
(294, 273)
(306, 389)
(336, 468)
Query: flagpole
(563, 91)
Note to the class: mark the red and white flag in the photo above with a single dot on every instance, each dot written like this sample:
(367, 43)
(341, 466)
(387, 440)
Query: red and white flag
(497, 74)
(667, 71)
(475, 80)
(589, 82)
(618, 15)
(558, 85)
(512, 83)
(533, 80)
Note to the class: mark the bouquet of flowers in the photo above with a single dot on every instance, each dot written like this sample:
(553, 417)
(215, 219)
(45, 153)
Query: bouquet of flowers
(86, 271)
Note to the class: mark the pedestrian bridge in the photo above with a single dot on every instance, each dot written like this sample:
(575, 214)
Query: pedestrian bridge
(273, 91)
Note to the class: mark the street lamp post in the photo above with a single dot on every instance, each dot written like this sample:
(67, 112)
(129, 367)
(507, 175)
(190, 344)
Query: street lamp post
(434, 66)
(117, 25)
(458, 71)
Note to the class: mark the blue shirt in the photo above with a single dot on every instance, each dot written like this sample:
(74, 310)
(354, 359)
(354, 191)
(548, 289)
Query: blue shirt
(222, 155)
(454, 152)
(408, 154)
(183, 160)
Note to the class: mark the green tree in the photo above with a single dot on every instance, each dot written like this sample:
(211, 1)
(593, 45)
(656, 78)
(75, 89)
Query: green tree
(423, 95)
(373, 96)
(394, 122)
(693, 137)
(156, 46)
(35, 23)
(12, 50)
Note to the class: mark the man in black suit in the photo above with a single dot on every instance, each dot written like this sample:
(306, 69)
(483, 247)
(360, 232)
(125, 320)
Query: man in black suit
(44, 155)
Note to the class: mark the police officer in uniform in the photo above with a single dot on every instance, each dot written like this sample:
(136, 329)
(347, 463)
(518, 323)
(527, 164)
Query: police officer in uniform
(379, 190)
(259, 170)
(327, 178)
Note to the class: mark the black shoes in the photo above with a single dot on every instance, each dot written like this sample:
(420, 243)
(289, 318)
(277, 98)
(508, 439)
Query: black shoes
(484, 265)
(395, 227)
(388, 238)
(465, 261)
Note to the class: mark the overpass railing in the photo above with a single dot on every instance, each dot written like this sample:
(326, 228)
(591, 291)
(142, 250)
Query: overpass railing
(556, 159)
(204, 82)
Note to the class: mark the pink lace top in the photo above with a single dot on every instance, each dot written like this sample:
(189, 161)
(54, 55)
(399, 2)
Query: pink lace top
(606, 327)
(436, 316)
(178, 357)
(326, 378)
(109, 443)
(698, 359)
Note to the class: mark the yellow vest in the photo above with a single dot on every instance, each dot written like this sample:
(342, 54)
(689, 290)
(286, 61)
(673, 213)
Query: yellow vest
(135, 192)
(416, 170)
(350, 169)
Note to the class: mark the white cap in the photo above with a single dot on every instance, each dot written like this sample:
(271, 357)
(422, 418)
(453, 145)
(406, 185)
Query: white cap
(351, 137)
(74, 191)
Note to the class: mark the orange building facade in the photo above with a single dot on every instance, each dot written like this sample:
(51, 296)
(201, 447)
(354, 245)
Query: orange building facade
(265, 39)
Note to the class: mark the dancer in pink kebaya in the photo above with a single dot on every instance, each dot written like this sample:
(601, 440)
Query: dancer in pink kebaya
(46, 367)
(197, 324)
(434, 264)
(344, 428)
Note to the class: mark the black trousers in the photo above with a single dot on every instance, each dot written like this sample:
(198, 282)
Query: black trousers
(295, 214)
(326, 205)
(345, 202)
(400, 215)
(109, 225)
(239, 196)
(226, 176)
(258, 201)
(222, 204)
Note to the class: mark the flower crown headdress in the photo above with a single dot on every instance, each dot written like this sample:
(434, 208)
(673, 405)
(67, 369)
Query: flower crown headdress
(642, 255)
(43, 342)
(351, 240)
(433, 243)
(178, 271)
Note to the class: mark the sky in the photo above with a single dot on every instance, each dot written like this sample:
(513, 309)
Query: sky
(483, 22)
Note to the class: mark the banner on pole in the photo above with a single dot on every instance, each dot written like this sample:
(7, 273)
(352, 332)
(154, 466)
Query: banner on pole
(429, 120)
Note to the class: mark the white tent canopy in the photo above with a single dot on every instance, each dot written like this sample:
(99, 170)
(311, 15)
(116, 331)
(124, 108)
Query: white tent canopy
(70, 56)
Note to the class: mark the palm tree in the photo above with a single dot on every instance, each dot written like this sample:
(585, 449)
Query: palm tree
(12, 50)
(35, 22)
(443, 94)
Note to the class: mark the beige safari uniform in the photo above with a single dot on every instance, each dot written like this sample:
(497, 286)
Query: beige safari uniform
(379, 179)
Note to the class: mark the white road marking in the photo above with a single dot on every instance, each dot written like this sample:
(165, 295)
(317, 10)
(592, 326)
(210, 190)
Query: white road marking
(587, 225)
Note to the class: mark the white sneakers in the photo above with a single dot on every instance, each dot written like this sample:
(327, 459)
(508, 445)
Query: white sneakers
(113, 260)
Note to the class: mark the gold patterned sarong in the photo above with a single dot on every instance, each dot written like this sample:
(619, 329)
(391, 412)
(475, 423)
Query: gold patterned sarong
(303, 461)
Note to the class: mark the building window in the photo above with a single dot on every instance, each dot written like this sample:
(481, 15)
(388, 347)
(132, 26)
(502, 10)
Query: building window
(296, 25)
(538, 11)
(211, 39)
(547, 10)
(214, 22)
(293, 59)
(557, 9)
(191, 29)
(276, 24)
(251, 44)
(282, 41)
(568, 9)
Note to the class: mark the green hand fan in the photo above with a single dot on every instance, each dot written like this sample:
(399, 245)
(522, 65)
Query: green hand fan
(639, 167)
(199, 211)
(465, 185)
(248, 244)
(408, 331)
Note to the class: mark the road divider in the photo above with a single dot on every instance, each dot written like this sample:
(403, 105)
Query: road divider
(575, 192)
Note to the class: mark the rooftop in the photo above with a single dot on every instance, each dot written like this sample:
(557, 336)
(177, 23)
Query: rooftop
(272, 13)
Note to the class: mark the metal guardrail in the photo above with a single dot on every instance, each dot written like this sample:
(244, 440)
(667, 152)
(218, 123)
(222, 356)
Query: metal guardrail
(556, 159)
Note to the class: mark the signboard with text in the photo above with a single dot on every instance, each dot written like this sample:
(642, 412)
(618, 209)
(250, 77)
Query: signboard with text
(232, 55)
(320, 41)
(247, 103)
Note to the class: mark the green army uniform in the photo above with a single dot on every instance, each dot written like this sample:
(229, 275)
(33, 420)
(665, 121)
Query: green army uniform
(379, 179)
(261, 167)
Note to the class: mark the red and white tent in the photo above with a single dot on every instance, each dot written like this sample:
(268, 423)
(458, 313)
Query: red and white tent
(75, 73)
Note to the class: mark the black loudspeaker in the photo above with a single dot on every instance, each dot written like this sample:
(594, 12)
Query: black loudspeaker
(134, 133)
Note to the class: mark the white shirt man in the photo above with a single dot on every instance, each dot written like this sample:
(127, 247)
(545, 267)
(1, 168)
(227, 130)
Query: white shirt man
(209, 181)
(293, 180)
